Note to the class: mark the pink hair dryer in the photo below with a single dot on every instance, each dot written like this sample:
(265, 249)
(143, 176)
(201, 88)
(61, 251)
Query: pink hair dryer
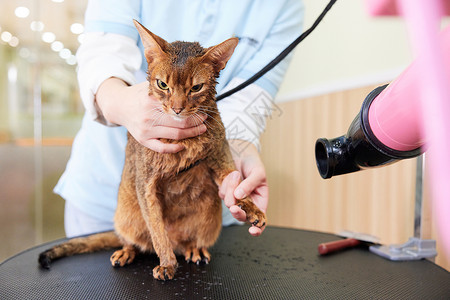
(365, 145)
(388, 127)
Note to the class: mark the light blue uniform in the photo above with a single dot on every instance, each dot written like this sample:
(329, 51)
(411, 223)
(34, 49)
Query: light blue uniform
(264, 27)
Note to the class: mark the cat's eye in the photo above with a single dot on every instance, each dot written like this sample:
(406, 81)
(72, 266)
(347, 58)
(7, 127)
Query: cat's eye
(197, 87)
(162, 85)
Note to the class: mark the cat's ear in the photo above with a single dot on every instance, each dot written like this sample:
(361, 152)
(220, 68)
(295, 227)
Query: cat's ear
(154, 46)
(219, 55)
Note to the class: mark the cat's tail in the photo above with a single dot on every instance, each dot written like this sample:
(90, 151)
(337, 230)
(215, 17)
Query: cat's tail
(85, 244)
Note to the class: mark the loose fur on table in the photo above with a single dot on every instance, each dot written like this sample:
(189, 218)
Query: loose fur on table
(169, 203)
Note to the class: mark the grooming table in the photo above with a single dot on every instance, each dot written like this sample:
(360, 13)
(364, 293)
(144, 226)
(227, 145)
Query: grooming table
(280, 264)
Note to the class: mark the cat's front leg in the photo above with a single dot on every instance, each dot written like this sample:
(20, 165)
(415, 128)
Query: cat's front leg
(151, 207)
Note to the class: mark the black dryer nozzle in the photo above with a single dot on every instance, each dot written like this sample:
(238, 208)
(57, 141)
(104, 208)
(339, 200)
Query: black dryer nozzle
(358, 149)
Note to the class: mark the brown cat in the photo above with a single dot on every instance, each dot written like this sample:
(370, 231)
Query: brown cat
(169, 203)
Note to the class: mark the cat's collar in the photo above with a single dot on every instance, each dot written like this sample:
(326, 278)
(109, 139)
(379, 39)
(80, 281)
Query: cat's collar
(190, 166)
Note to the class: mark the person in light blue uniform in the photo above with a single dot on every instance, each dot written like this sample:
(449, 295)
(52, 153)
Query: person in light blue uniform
(111, 75)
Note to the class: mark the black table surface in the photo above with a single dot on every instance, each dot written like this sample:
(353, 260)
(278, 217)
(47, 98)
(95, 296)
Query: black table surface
(280, 264)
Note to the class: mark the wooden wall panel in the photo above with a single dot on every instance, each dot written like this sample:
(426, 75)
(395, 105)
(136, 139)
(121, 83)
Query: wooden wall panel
(377, 201)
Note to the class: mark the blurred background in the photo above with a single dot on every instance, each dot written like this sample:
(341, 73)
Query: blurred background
(40, 113)
(331, 72)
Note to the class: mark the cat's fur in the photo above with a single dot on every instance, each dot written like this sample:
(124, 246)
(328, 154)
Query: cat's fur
(169, 203)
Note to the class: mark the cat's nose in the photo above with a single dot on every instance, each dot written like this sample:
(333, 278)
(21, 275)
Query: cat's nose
(177, 110)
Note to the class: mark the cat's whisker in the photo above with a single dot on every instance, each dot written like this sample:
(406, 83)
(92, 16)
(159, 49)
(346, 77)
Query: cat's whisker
(209, 125)
(197, 121)
(200, 120)
(208, 109)
(157, 119)
(206, 106)
(209, 115)
(154, 110)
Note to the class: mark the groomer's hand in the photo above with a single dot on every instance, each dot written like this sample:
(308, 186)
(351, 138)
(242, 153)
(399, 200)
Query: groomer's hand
(142, 115)
(250, 180)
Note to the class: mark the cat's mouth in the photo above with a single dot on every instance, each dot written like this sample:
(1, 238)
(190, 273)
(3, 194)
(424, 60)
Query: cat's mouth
(179, 118)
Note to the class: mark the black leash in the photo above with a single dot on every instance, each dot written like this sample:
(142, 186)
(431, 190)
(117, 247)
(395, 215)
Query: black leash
(280, 56)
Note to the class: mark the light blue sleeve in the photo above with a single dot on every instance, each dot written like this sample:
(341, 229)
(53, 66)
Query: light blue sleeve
(286, 28)
(113, 16)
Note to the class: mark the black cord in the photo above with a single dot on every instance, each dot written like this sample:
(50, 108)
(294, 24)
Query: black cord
(280, 56)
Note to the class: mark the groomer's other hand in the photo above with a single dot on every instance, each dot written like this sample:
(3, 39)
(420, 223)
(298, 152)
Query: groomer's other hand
(142, 115)
(254, 184)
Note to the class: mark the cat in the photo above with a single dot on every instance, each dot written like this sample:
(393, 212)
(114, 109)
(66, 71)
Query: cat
(169, 203)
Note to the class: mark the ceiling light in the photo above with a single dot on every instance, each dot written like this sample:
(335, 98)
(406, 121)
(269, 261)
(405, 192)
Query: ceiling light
(48, 37)
(65, 53)
(71, 60)
(77, 28)
(58, 1)
(81, 38)
(14, 42)
(57, 46)
(6, 36)
(24, 52)
(37, 26)
(22, 12)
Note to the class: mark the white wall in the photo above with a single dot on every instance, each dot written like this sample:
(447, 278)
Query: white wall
(348, 49)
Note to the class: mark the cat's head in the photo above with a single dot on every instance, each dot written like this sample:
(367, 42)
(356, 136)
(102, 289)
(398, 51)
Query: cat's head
(182, 75)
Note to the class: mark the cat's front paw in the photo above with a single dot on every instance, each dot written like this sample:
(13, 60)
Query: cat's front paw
(164, 273)
(254, 215)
